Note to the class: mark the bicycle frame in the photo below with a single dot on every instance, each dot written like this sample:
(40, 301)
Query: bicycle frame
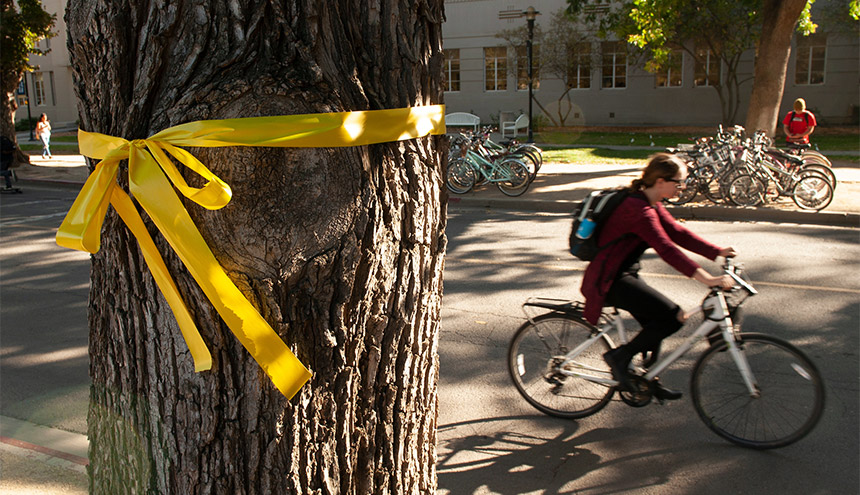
(495, 173)
(716, 314)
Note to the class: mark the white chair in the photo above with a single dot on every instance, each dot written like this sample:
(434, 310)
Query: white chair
(462, 119)
(522, 122)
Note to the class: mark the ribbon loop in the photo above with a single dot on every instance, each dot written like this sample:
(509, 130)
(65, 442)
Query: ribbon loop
(152, 171)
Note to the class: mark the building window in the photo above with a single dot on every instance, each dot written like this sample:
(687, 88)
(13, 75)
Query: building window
(579, 69)
(614, 70)
(707, 68)
(451, 74)
(523, 67)
(671, 75)
(495, 68)
(39, 90)
(811, 54)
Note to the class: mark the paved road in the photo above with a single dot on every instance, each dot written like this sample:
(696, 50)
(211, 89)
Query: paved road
(490, 440)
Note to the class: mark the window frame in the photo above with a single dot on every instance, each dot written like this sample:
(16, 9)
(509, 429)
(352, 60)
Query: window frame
(617, 48)
(671, 71)
(39, 95)
(577, 71)
(711, 61)
(449, 70)
(804, 59)
(499, 69)
(523, 67)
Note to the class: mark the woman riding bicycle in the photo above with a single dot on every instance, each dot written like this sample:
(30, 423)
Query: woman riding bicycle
(639, 222)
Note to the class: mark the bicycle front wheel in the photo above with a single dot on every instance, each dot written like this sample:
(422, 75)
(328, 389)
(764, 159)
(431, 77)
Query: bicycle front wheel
(746, 190)
(535, 359)
(790, 397)
(515, 178)
(461, 176)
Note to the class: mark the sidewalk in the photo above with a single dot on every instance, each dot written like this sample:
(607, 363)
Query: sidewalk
(557, 187)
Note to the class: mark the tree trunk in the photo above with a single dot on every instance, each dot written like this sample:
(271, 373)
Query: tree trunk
(341, 250)
(8, 105)
(771, 63)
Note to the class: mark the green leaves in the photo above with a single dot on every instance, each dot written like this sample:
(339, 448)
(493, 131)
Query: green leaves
(20, 31)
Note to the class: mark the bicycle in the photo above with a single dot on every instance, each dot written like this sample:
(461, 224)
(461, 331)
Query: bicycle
(752, 389)
(509, 173)
(760, 173)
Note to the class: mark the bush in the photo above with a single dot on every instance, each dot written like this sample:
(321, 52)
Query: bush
(25, 124)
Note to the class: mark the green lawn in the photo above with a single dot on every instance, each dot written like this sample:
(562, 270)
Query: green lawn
(825, 140)
(596, 155)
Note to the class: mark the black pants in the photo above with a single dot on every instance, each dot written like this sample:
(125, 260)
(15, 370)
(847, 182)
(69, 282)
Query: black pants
(654, 311)
(7, 175)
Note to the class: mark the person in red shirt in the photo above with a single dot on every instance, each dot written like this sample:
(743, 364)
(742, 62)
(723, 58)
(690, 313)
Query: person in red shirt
(799, 123)
(612, 278)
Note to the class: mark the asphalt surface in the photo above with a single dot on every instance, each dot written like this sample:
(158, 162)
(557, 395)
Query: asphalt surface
(57, 459)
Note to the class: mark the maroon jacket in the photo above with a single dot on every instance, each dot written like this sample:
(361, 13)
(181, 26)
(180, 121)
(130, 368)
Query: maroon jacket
(651, 224)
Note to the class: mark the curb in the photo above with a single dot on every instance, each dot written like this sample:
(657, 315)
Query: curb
(65, 184)
(67, 449)
(738, 214)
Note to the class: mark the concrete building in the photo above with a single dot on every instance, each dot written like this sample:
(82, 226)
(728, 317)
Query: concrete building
(487, 76)
(49, 89)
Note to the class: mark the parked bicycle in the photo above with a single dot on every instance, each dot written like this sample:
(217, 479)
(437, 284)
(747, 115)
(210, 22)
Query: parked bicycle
(750, 171)
(752, 389)
(762, 176)
(474, 165)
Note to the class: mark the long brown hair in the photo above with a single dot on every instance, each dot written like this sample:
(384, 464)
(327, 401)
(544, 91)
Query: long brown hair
(660, 166)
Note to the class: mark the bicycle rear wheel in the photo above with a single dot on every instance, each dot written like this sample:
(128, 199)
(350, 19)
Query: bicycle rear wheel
(537, 351)
(813, 191)
(790, 400)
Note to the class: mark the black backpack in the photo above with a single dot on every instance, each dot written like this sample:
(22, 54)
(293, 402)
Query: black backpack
(589, 216)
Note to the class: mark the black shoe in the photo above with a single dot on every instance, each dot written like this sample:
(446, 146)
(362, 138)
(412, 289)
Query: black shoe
(662, 393)
(619, 370)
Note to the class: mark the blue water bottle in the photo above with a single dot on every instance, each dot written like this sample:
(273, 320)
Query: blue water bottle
(586, 228)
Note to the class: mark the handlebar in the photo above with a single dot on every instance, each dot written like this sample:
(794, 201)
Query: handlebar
(734, 271)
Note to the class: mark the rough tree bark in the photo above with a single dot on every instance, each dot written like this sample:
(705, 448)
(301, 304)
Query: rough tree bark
(341, 250)
(771, 63)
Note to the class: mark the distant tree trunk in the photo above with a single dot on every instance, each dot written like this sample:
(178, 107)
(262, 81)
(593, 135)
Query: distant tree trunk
(771, 63)
(8, 105)
(341, 249)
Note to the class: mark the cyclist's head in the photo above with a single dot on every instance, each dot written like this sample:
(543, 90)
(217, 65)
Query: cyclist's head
(660, 166)
(799, 105)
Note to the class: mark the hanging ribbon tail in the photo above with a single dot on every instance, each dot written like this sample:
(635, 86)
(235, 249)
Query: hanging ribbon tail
(126, 210)
(153, 191)
(81, 228)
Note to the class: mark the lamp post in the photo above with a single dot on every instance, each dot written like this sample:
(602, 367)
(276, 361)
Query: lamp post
(530, 14)
(29, 116)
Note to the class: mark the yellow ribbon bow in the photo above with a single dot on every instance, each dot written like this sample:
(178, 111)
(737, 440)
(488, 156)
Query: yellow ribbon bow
(149, 168)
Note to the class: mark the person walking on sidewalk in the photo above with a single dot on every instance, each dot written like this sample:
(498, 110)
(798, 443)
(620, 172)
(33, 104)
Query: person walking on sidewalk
(798, 124)
(43, 133)
(612, 278)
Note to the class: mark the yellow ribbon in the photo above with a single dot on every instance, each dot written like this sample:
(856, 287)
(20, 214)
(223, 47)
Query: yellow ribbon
(149, 169)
